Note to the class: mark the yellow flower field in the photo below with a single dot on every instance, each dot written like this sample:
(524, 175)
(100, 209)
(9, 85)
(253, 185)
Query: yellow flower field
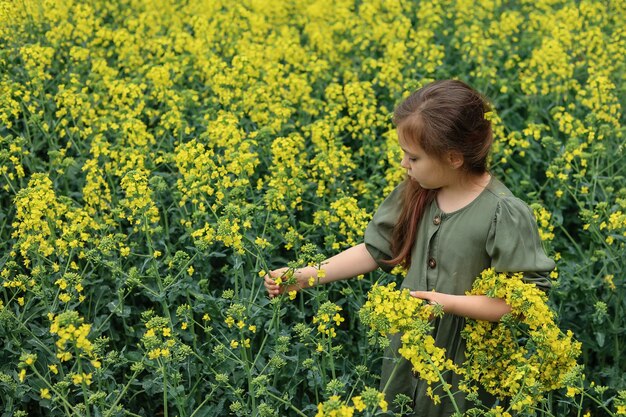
(156, 155)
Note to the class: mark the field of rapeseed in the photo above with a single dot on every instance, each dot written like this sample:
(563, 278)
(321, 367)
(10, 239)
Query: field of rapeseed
(156, 156)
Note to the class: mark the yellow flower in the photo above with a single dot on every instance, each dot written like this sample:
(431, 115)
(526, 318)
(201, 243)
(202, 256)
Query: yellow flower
(45, 393)
(154, 353)
(234, 344)
(383, 403)
(358, 403)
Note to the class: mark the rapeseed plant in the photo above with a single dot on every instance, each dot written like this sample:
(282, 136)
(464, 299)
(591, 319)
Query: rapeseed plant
(237, 132)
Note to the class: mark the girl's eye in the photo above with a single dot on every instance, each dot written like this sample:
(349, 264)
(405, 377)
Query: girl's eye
(412, 159)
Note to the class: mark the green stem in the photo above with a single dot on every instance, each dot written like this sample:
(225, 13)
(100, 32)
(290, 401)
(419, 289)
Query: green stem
(130, 381)
(393, 373)
(10, 185)
(543, 412)
(243, 352)
(600, 403)
(60, 395)
(43, 346)
(183, 268)
(331, 357)
(286, 403)
(83, 385)
(164, 305)
(206, 399)
(444, 385)
(165, 413)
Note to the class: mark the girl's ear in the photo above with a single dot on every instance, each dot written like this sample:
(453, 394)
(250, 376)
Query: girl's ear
(455, 159)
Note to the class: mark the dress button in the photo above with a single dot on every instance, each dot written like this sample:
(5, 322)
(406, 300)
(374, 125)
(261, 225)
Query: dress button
(437, 220)
(432, 263)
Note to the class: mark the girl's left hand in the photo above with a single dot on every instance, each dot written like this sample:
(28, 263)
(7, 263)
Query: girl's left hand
(477, 307)
(431, 296)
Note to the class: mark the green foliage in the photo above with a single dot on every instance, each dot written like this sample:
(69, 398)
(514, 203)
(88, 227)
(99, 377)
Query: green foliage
(155, 156)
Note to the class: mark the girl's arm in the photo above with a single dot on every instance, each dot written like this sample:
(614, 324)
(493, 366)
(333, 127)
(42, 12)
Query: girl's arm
(477, 307)
(347, 264)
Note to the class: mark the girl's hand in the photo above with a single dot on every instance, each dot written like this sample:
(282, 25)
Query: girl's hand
(274, 289)
(477, 307)
(431, 297)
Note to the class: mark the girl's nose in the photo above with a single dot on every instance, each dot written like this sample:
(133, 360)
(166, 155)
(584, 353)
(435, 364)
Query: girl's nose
(405, 162)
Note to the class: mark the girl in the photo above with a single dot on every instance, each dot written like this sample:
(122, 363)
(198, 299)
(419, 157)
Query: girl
(448, 221)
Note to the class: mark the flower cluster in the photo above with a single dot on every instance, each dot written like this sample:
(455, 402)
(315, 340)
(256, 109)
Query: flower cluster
(161, 342)
(388, 311)
(369, 400)
(12, 152)
(236, 132)
(346, 218)
(139, 207)
(328, 319)
(525, 355)
(73, 334)
(620, 404)
(521, 357)
(237, 318)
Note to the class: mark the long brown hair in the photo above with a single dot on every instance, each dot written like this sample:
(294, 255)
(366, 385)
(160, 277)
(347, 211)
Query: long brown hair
(441, 117)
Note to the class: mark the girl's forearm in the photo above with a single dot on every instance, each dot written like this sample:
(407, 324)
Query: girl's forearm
(347, 264)
(477, 307)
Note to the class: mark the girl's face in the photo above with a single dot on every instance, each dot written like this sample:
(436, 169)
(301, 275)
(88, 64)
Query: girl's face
(430, 172)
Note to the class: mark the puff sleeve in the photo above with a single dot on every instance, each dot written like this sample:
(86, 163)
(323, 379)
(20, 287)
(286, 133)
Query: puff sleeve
(377, 237)
(514, 245)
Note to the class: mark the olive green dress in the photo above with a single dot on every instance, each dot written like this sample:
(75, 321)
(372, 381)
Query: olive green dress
(495, 230)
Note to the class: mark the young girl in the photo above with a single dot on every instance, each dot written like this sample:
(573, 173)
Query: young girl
(448, 221)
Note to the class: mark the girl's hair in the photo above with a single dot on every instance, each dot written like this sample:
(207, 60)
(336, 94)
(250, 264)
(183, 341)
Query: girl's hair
(441, 117)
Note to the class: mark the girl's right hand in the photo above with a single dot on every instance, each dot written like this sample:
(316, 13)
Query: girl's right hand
(273, 289)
